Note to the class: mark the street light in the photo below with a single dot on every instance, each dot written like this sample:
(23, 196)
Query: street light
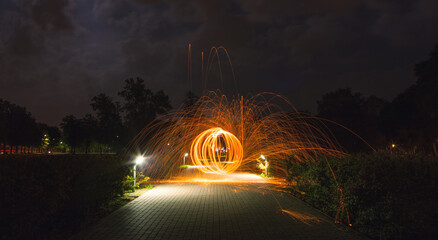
(266, 164)
(185, 155)
(138, 160)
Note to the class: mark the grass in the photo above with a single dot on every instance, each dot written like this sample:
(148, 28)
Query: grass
(185, 166)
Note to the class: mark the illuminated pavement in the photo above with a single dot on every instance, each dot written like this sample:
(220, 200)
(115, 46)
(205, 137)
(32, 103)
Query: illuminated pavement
(216, 211)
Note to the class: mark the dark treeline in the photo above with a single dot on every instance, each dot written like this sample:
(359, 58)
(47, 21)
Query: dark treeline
(113, 124)
(407, 124)
(108, 128)
(20, 133)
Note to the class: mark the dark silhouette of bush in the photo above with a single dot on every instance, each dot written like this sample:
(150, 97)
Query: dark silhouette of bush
(388, 196)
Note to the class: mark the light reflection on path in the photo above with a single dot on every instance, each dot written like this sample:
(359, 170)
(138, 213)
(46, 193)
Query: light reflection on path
(217, 210)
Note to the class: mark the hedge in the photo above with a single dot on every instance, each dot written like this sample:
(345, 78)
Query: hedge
(388, 196)
(52, 196)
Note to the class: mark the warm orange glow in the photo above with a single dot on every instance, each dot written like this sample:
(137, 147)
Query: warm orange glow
(306, 219)
(216, 151)
(221, 135)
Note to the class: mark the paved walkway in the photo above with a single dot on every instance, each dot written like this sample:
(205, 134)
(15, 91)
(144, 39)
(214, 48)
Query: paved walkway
(216, 211)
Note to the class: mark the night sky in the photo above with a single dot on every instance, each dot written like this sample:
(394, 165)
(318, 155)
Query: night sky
(56, 55)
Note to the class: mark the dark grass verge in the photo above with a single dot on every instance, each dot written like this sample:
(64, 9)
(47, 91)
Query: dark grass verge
(55, 196)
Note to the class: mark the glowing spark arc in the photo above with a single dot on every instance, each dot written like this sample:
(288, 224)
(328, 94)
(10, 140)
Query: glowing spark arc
(216, 151)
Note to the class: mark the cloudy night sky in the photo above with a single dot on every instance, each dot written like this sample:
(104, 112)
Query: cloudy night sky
(56, 55)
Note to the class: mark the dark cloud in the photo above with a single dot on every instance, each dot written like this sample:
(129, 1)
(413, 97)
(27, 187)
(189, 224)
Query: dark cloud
(51, 14)
(56, 55)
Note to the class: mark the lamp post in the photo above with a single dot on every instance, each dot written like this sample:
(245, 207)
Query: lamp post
(266, 164)
(185, 155)
(138, 160)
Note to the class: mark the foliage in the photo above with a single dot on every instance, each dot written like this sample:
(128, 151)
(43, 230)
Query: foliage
(141, 104)
(104, 131)
(356, 112)
(51, 136)
(71, 129)
(109, 121)
(388, 196)
(190, 100)
(51, 196)
(411, 118)
(82, 134)
(140, 182)
(17, 126)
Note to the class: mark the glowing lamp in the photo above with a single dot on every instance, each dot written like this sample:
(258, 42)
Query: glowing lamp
(185, 155)
(139, 160)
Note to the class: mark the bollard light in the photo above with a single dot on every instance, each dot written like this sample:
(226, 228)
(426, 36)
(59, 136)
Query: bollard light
(185, 155)
(266, 164)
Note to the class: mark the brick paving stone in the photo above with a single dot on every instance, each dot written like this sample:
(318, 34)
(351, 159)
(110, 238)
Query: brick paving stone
(216, 211)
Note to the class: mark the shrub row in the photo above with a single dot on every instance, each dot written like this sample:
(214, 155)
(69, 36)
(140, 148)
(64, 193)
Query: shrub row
(52, 196)
(388, 196)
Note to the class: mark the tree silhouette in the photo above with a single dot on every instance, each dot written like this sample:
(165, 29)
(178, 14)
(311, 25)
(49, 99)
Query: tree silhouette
(190, 100)
(412, 116)
(109, 122)
(18, 127)
(51, 133)
(90, 130)
(141, 105)
(72, 131)
(358, 113)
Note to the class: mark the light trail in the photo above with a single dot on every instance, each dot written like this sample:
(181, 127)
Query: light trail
(216, 151)
(222, 136)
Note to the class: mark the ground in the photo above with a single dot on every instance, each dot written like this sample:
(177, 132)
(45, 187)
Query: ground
(217, 211)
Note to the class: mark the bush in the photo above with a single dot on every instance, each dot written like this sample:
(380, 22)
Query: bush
(388, 196)
(52, 196)
(140, 181)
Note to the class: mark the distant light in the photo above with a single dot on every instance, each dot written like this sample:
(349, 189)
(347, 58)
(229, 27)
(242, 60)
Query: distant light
(262, 157)
(60, 142)
(393, 145)
(186, 155)
(139, 160)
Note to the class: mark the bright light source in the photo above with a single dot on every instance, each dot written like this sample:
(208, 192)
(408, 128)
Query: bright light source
(139, 160)
(186, 155)
(262, 157)
(393, 145)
